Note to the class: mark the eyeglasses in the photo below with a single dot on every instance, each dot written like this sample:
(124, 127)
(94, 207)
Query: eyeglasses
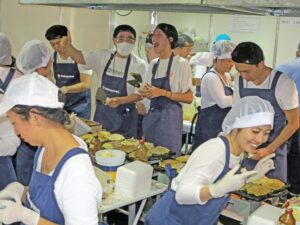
(127, 39)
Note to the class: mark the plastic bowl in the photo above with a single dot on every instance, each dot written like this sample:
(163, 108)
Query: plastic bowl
(110, 157)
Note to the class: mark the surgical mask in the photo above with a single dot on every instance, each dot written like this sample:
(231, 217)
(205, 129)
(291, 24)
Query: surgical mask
(124, 48)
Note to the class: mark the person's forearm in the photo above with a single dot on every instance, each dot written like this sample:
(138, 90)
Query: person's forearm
(186, 97)
(130, 98)
(75, 88)
(76, 55)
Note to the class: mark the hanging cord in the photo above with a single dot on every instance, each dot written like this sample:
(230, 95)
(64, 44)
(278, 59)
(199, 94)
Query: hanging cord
(126, 14)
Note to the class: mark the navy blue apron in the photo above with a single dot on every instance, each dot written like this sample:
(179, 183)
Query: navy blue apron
(280, 160)
(162, 125)
(124, 118)
(209, 122)
(168, 212)
(24, 162)
(7, 174)
(41, 189)
(67, 74)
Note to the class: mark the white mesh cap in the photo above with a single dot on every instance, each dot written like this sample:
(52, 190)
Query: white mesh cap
(33, 55)
(5, 50)
(30, 90)
(250, 111)
(223, 49)
(202, 59)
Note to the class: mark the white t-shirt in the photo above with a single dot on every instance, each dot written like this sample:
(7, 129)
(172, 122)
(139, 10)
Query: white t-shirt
(203, 167)
(285, 92)
(212, 90)
(77, 190)
(98, 60)
(180, 75)
(9, 141)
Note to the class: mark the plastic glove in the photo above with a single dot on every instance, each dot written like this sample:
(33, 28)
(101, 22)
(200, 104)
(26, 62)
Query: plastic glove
(262, 167)
(12, 212)
(70, 126)
(13, 191)
(230, 182)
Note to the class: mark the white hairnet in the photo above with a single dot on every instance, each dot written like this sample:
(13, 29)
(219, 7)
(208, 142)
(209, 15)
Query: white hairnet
(250, 111)
(33, 55)
(5, 50)
(223, 49)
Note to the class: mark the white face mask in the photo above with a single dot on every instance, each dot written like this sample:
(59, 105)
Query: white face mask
(124, 48)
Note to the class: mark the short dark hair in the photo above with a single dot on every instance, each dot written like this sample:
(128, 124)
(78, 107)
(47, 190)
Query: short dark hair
(248, 53)
(170, 31)
(149, 38)
(56, 31)
(124, 27)
(183, 39)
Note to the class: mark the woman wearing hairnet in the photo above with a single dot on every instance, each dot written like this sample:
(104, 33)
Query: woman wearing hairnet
(169, 84)
(216, 94)
(200, 191)
(8, 139)
(63, 188)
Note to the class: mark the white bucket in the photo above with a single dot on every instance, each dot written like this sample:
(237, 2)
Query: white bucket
(109, 160)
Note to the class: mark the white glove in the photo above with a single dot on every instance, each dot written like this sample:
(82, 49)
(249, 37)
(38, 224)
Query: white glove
(11, 212)
(262, 167)
(13, 191)
(70, 126)
(230, 182)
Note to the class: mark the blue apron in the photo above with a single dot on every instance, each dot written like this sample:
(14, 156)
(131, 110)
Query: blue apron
(24, 162)
(168, 212)
(162, 125)
(41, 189)
(124, 118)
(67, 74)
(7, 174)
(209, 122)
(280, 160)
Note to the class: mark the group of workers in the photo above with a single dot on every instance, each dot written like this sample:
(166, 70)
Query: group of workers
(256, 119)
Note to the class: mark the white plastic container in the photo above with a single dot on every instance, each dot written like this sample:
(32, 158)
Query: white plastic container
(133, 179)
(265, 215)
(109, 160)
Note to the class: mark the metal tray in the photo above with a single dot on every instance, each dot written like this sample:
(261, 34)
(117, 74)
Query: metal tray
(278, 192)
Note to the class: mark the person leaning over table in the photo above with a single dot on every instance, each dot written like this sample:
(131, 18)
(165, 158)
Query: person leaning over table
(169, 84)
(201, 189)
(115, 69)
(9, 141)
(216, 94)
(63, 188)
(70, 77)
(259, 80)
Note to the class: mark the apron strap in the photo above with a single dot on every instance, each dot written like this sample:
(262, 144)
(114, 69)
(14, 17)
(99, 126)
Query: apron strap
(4, 85)
(275, 80)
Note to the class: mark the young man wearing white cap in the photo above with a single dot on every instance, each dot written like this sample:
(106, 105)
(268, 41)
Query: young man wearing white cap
(63, 188)
(9, 142)
(276, 87)
(201, 190)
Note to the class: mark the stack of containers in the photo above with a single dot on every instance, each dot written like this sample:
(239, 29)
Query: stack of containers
(133, 179)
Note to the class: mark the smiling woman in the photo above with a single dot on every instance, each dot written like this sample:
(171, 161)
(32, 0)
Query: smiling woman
(62, 167)
(200, 191)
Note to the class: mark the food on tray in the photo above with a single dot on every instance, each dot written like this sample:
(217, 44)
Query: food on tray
(132, 154)
(130, 142)
(183, 158)
(115, 137)
(173, 163)
(111, 145)
(103, 135)
(158, 150)
(262, 186)
(87, 137)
